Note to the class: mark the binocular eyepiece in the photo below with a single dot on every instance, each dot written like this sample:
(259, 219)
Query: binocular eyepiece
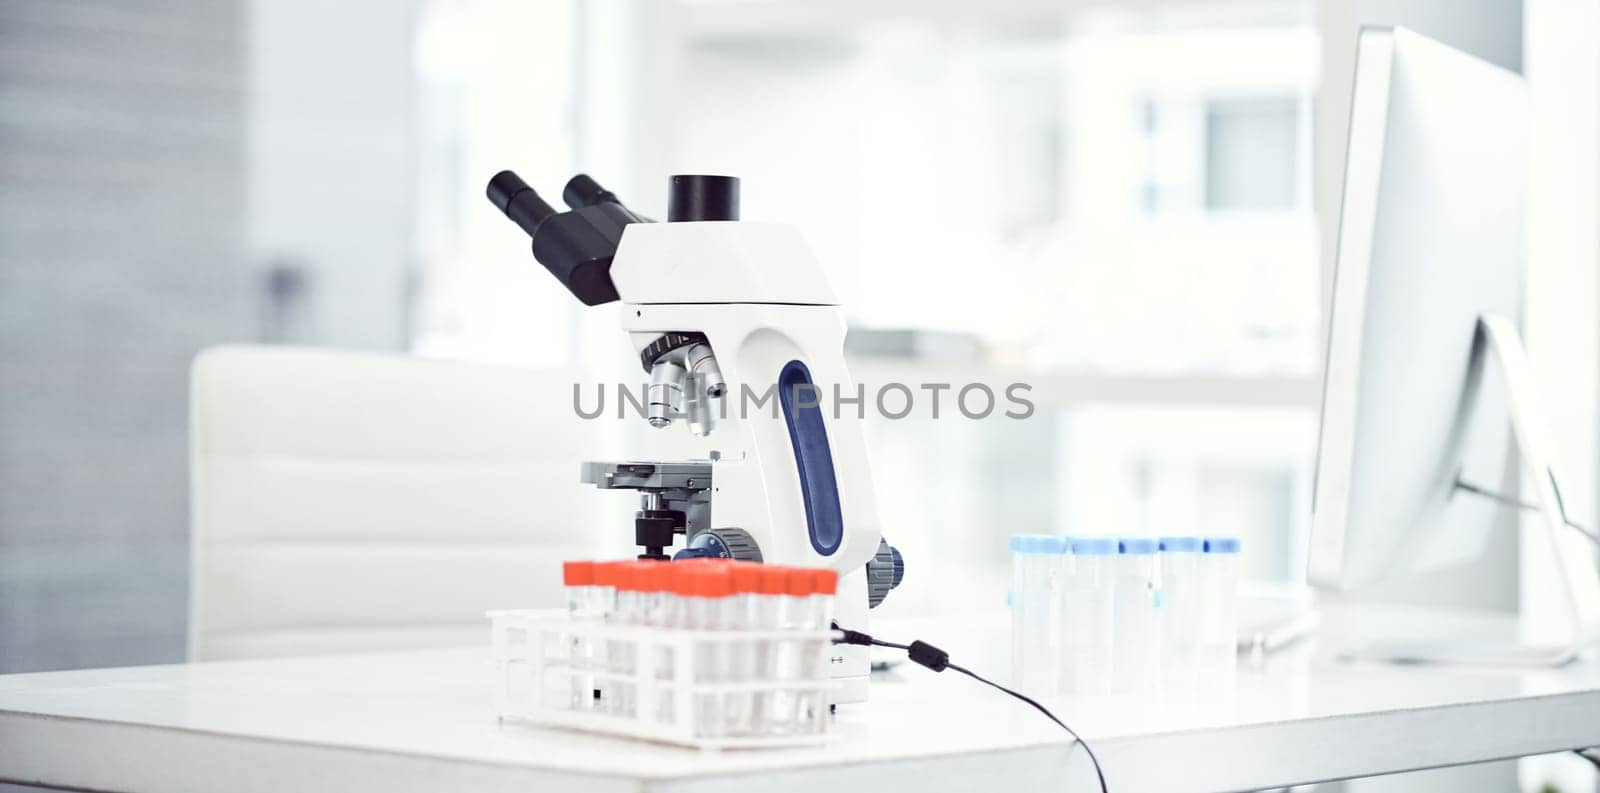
(582, 191)
(577, 246)
(518, 201)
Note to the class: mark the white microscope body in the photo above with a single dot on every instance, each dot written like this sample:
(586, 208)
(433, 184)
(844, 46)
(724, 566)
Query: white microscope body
(762, 302)
(743, 340)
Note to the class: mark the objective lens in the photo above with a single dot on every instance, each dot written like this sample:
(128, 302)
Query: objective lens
(697, 407)
(703, 365)
(664, 395)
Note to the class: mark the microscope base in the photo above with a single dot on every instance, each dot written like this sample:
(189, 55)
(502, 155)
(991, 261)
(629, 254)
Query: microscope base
(849, 689)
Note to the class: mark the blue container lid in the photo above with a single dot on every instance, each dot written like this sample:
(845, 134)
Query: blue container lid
(1136, 545)
(1039, 543)
(1180, 544)
(1222, 545)
(1093, 546)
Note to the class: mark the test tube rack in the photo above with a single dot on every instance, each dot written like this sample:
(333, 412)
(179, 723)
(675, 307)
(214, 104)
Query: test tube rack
(674, 690)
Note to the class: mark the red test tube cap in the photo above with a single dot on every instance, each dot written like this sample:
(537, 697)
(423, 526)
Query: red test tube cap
(707, 581)
(650, 576)
(745, 577)
(614, 574)
(772, 579)
(797, 581)
(577, 573)
(681, 577)
(824, 581)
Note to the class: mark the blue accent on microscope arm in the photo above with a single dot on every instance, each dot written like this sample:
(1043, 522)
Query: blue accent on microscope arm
(819, 487)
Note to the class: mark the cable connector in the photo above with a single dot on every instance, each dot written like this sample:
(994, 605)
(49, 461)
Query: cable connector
(919, 652)
(847, 636)
(926, 654)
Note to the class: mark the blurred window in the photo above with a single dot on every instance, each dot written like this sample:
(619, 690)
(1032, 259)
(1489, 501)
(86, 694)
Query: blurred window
(1116, 201)
(496, 82)
(1252, 154)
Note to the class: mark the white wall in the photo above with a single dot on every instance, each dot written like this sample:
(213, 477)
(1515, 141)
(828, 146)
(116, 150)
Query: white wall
(332, 151)
(121, 221)
(1562, 63)
(1563, 69)
(158, 155)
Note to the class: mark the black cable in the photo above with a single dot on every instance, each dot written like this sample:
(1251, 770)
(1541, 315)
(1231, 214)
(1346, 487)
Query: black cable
(938, 660)
(1046, 711)
(1502, 498)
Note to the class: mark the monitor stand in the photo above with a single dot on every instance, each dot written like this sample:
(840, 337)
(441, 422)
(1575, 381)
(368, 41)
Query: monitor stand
(1574, 555)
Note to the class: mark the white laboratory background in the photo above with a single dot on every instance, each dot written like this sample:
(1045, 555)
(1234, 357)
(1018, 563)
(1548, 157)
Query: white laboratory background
(1111, 205)
(1112, 202)
(1126, 205)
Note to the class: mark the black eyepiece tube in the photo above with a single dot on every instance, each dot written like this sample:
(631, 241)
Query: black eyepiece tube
(696, 197)
(514, 197)
(582, 191)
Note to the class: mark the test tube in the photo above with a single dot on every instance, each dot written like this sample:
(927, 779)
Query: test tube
(824, 588)
(793, 608)
(1181, 614)
(670, 615)
(771, 586)
(649, 582)
(578, 580)
(607, 575)
(1219, 574)
(1135, 643)
(745, 580)
(630, 610)
(704, 589)
(814, 652)
(1089, 617)
(1038, 571)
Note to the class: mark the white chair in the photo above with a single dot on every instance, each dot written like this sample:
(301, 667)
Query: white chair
(347, 501)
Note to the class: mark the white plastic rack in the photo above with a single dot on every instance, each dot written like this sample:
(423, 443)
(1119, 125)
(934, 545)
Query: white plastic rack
(708, 689)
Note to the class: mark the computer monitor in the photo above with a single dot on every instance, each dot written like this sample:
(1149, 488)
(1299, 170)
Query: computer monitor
(1424, 372)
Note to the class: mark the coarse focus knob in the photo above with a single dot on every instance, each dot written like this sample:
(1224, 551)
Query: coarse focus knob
(884, 571)
(724, 543)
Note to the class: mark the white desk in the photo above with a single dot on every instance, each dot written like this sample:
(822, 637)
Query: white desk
(420, 721)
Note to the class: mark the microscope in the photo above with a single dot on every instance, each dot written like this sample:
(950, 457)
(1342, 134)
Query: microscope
(740, 336)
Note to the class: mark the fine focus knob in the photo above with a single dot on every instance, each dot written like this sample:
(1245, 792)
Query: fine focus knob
(725, 543)
(884, 571)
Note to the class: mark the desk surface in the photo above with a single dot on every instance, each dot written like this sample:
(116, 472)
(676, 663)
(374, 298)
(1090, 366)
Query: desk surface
(421, 721)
